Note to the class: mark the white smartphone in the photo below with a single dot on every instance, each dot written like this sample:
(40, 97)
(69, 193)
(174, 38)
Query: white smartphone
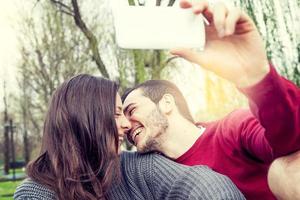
(156, 27)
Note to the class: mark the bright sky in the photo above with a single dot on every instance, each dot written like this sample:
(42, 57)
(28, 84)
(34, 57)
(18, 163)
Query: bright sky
(8, 45)
(10, 14)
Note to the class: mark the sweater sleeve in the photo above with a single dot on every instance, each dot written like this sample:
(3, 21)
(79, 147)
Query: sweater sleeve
(275, 103)
(30, 190)
(156, 177)
(174, 181)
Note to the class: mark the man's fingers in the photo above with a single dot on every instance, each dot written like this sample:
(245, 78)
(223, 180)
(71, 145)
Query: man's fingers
(200, 7)
(219, 15)
(197, 7)
(201, 58)
(223, 19)
(206, 59)
(185, 4)
(233, 17)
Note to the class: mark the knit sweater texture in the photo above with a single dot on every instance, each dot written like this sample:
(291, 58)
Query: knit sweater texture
(153, 176)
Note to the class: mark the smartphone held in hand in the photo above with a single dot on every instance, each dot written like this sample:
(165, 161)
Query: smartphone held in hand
(156, 27)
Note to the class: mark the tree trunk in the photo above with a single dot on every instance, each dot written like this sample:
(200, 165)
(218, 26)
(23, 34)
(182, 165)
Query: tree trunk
(6, 147)
(158, 63)
(93, 42)
(12, 145)
(25, 122)
(6, 134)
(139, 61)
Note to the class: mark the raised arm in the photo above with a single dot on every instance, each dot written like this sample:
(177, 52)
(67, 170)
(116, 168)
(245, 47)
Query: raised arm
(275, 102)
(235, 51)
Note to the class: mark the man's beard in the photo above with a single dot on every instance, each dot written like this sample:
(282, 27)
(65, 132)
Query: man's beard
(158, 124)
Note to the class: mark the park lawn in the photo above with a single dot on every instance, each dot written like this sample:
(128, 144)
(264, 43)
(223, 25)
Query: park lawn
(18, 170)
(7, 188)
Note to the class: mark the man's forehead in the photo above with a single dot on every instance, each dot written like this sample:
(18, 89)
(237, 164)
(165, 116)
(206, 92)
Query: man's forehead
(133, 97)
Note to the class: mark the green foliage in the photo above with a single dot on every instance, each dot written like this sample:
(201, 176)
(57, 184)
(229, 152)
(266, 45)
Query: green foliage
(278, 23)
(248, 6)
(158, 63)
(149, 64)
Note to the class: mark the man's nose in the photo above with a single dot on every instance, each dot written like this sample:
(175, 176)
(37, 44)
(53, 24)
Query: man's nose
(126, 124)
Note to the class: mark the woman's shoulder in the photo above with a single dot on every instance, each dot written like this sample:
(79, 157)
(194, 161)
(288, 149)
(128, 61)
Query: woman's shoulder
(30, 189)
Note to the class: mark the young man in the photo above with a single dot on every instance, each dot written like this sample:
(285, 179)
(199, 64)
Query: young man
(243, 144)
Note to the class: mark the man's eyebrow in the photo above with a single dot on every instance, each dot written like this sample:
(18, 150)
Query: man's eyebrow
(127, 107)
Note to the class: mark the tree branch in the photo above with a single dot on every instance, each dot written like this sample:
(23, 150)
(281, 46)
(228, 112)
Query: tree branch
(93, 43)
(66, 12)
(62, 5)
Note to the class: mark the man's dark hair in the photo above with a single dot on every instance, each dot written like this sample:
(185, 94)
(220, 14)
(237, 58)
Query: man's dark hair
(155, 89)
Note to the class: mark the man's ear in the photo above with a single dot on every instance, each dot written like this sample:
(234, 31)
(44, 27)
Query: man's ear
(167, 103)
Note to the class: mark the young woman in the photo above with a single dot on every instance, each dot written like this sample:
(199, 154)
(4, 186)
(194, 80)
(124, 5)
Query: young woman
(80, 141)
(79, 159)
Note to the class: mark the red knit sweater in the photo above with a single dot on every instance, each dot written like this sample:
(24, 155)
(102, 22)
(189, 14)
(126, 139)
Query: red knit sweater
(243, 144)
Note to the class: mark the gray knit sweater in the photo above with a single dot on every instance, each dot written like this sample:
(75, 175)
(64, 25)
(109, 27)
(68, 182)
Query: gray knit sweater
(153, 176)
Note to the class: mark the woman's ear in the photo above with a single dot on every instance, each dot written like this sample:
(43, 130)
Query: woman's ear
(167, 104)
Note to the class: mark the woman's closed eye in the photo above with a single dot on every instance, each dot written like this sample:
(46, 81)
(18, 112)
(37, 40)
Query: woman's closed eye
(118, 114)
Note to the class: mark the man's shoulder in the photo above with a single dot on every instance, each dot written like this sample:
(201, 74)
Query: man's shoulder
(197, 181)
(165, 177)
(30, 189)
(130, 157)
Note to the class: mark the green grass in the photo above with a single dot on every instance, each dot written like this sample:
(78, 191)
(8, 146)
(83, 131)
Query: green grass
(8, 188)
(18, 170)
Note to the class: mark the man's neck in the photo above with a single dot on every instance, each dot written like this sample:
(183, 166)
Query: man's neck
(179, 138)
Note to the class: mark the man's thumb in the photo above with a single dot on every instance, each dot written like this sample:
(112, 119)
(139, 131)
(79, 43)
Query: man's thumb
(187, 54)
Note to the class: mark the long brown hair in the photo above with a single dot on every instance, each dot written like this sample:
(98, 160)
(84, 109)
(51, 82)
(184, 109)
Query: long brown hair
(79, 157)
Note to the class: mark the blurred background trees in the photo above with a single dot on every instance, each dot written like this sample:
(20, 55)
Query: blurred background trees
(61, 38)
(52, 51)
